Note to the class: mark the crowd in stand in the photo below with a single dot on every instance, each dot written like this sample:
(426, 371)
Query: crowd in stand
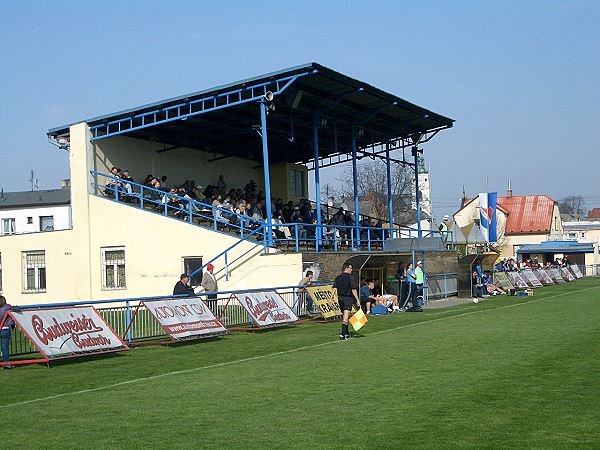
(247, 205)
(510, 265)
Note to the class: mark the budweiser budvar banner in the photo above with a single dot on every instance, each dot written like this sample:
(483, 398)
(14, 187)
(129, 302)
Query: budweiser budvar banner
(266, 308)
(185, 317)
(58, 332)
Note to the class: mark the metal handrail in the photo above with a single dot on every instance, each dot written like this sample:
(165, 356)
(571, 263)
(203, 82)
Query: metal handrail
(119, 192)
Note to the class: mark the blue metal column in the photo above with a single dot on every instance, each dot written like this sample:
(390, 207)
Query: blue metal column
(417, 196)
(317, 185)
(355, 184)
(389, 187)
(265, 147)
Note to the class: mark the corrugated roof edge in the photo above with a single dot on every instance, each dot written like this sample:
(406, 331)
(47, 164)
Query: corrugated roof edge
(289, 71)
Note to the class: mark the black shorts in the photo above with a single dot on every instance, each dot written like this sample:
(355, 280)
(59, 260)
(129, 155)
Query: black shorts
(346, 303)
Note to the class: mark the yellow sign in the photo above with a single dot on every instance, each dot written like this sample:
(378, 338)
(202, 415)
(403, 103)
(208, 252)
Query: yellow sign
(358, 320)
(327, 303)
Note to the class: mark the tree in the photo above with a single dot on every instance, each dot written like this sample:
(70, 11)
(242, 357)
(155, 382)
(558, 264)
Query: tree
(573, 204)
(372, 186)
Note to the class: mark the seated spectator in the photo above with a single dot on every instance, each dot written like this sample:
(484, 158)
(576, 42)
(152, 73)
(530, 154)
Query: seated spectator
(490, 288)
(148, 181)
(367, 298)
(280, 231)
(113, 182)
(127, 180)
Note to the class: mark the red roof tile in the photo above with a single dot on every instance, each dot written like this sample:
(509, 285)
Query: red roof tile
(594, 214)
(528, 213)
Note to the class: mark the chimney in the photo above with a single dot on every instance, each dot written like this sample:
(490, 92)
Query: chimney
(509, 190)
(65, 184)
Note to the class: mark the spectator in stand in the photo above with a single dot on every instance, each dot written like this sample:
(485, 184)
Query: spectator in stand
(163, 180)
(287, 211)
(443, 228)
(216, 200)
(257, 211)
(127, 180)
(280, 231)
(148, 181)
(499, 266)
(113, 182)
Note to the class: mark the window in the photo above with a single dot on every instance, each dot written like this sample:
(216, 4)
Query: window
(34, 271)
(8, 226)
(296, 183)
(46, 223)
(29, 220)
(190, 265)
(113, 268)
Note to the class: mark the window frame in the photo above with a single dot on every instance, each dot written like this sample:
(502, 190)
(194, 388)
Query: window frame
(39, 272)
(105, 264)
(41, 218)
(3, 226)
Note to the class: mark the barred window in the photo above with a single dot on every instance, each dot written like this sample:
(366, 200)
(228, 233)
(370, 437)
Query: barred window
(113, 268)
(34, 271)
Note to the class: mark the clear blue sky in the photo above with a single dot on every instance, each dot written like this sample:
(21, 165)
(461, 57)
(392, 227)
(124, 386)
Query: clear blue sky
(521, 78)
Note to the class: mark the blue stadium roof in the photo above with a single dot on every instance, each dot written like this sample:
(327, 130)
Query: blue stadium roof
(557, 247)
(340, 101)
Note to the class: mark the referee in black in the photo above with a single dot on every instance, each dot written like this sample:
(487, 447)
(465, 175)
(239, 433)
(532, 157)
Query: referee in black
(346, 289)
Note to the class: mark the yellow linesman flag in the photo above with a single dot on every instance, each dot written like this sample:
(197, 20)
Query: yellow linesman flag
(358, 320)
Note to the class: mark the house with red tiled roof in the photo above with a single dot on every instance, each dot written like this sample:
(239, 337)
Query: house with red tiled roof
(521, 220)
(594, 214)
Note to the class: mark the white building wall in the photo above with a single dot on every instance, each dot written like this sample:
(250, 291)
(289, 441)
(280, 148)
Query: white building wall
(61, 215)
(154, 248)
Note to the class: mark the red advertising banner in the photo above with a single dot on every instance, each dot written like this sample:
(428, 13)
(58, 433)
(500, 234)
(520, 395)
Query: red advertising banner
(68, 331)
(184, 317)
(266, 308)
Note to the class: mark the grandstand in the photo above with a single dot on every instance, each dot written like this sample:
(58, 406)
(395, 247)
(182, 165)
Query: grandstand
(278, 129)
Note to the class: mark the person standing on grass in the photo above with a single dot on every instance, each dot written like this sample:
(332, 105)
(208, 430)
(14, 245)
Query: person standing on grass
(209, 282)
(346, 289)
(411, 293)
(7, 327)
(302, 293)
(420, 282)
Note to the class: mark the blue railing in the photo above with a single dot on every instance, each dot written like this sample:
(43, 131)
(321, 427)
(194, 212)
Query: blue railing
(298, 236)
(119, 312)
(173, 205)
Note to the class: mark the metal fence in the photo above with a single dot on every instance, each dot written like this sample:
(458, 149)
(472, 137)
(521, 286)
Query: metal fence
(118, 314)
(441, 285)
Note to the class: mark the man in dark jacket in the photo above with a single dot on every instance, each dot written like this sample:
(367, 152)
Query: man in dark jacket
(182, 287)
(6, 330)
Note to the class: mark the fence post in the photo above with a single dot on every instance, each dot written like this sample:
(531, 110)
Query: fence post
(445, 286)
(128, 320)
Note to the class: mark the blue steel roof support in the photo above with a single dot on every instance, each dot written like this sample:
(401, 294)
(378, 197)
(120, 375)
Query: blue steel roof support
(184, 110)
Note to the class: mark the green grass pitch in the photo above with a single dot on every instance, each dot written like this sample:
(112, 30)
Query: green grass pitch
(509, 372)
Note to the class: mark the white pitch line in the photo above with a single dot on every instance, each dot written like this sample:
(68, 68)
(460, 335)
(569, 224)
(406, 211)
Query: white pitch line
(283, 352)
